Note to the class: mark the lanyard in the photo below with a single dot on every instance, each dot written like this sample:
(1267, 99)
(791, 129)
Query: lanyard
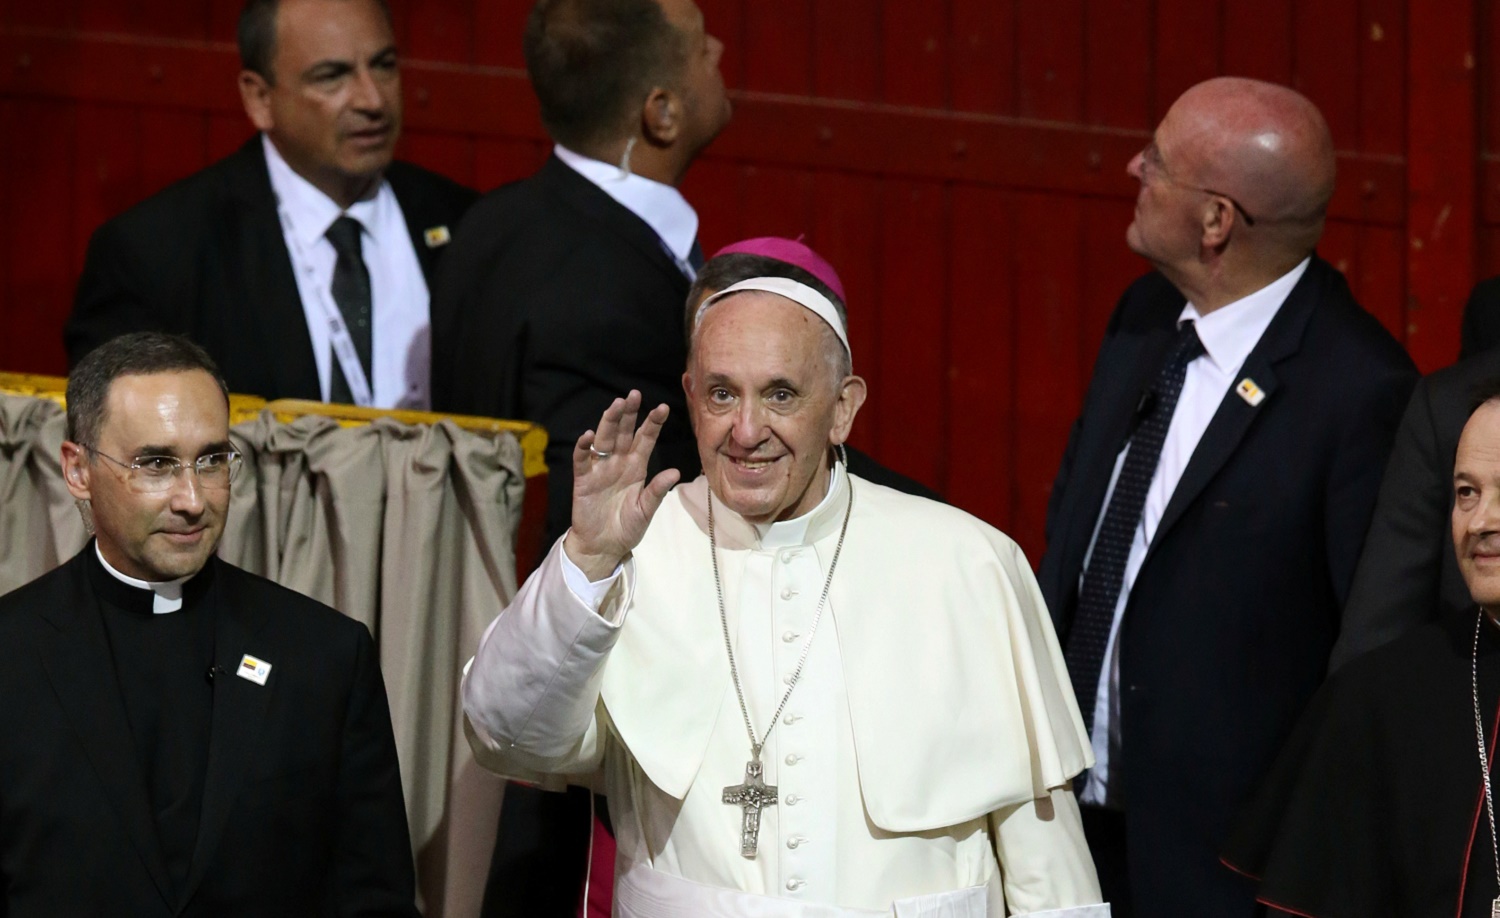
(338, 332)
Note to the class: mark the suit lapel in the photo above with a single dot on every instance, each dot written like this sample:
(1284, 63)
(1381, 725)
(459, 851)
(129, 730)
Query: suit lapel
(270, 303)
(418, 220)
(588, 198)
(1235, 415)
(76, 657)
(239, 709)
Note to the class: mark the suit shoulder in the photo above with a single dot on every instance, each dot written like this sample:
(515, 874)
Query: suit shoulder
(1149, 302)
(28, 595)
(435, 190)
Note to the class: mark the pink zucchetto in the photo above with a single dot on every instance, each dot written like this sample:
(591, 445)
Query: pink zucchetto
(791, 251)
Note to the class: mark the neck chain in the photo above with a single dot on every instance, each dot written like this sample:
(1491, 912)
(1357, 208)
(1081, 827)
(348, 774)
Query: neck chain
(1484, 760)
(755, 793)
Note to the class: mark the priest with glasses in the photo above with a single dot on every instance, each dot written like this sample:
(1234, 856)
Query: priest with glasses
(805, 695)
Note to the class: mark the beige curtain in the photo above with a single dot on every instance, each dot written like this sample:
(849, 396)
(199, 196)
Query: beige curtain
(409, 529)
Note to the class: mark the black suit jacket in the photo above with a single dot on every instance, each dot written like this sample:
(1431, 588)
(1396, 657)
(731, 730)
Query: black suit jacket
(553, 301)
(302, 810)
(207, 258)
(1408, 573)
(1230, 621)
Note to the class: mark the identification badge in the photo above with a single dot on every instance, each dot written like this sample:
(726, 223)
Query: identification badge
(437, 236)
(1250, 392)
(257, 671)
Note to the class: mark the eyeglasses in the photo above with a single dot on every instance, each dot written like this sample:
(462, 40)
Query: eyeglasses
(1152, 168)
(154, 474)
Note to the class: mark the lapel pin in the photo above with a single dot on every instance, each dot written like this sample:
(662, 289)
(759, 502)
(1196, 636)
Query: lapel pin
(1250, 392)
(256, 671)
(437, 237)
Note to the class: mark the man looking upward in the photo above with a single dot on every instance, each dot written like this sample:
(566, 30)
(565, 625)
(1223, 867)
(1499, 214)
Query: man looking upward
(809, 694)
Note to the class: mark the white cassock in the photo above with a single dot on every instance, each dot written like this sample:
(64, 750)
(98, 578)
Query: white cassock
(922, 761)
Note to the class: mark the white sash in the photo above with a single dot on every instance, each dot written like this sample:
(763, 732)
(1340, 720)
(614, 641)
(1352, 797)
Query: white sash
(342, 342)
(643, 892)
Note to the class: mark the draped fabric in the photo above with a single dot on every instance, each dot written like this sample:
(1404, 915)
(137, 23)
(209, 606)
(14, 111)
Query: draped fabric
(409, 529)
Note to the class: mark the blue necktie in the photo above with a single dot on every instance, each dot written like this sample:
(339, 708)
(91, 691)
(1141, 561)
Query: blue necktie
(1102, 581)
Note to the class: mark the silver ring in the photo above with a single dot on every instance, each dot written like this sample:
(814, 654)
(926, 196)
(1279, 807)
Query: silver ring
(599, 453)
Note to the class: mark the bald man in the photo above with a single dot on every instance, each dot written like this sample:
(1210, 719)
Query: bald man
(1205, 521)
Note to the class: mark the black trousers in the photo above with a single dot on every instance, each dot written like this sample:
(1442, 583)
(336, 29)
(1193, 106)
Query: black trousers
(1105, 832)
(541, 854)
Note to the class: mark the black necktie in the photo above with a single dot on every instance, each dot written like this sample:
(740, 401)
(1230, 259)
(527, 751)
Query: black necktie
(351, 291)
(1106, 571)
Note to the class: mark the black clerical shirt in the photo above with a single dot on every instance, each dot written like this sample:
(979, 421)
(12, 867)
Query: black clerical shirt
(161, 664)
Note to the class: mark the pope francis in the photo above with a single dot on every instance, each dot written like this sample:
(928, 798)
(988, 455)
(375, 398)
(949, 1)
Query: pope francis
(805, 695)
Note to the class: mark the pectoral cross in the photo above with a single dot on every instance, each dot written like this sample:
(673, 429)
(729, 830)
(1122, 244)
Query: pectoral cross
(1495, 909)
(752, 796)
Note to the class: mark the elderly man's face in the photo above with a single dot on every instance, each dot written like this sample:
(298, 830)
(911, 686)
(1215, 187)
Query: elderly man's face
(334, 110)
(766, 406)
(164, 535)
(1167, 227)
(1476, 505)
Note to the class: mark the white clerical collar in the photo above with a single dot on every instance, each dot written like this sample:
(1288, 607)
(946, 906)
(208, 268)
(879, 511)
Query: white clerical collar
(307, 211)
(662, 207)
(1230, 332)
(786, 533)
(168, 592)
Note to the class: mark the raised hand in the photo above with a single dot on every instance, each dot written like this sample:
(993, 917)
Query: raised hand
(612, 501)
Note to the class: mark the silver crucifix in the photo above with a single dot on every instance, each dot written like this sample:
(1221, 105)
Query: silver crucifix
(752, 795)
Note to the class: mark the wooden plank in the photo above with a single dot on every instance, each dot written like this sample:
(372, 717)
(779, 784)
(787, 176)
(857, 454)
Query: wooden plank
(107, 170)
(226, 133)
(442, 30)
(174, 145)
(1108, 266)
(847, 56)
(40, 183)
(776, 202)
(914, 53)
(846, 231)
(1117, 40)
(1050, 375)
(725, 20)
(498, 26)
(1049, 45)
(224, 19)
(982, 57)
(1489, 251)
(1326, 37)
(10, 222)
(912, 357)
(778, 48)
(1340, 248)
(715, 188)
(51, 14)
(1188, 39)
(186, 19)
(446, 154)
(1258, 39)
(104, 16)
(1441, 175)
(981, 347)
(500, 162)
(1382, 276)
(1382, 77)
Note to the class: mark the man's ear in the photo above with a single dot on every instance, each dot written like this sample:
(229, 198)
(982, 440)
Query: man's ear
(661, 117)
(75, 469)
(1219, 221)
(255, 94)
(852, 393)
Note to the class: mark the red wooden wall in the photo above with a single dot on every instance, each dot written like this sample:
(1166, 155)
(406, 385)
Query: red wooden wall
(960, 161)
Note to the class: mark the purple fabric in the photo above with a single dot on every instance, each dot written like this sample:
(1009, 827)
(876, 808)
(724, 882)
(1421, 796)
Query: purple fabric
(791, 251)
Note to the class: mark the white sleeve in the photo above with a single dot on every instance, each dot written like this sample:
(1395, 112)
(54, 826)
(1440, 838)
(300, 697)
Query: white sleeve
(532, 690)
(1044, 859)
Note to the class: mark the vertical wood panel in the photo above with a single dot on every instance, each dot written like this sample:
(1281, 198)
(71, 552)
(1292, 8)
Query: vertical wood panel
(1188, 38)
(499, 162)
(1049, 44)
(106, 175)
(776, 202)
(715, 188)
(1326, 36)
(1340, 248)
(1117, 41)
(778, 46)
(186, 19)
(1489, 75)
(1258, 39)
(1107, 268)
(982, 56)
(41, 244)
(51, 14)
(442, 30)
(174, 145)
(9, 221)
(1382, 77)
(498, 29)
(226, 133)
(725, 20)
(104, 15)
(909, 392)
(223, 19)
(448, 154)
(1381, 276)
(981, 345)
(916, 48)
(1049, 374)
(846, 231)
(847, 49)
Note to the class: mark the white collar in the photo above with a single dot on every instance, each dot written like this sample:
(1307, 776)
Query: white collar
(1230, 332)
(662, 207)
(168, 592)
(307, 211)
(786, 533)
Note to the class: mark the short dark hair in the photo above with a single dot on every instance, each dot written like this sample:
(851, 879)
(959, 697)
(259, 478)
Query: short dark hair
(135, 354)
(727, 270)
(257, 35)
(592, 61)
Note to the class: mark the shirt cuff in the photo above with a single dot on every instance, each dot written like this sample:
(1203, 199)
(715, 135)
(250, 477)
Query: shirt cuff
(589, 592)
(1077, 911)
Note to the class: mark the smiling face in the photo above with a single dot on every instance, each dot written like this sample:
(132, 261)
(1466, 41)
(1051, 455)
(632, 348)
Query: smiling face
(333, 109)
(1476, 505)
(160, 536)
(766, 404)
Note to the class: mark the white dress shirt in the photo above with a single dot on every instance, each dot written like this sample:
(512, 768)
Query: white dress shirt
(1228, 335)
(401, 346)
(168, 596)
(662, 207)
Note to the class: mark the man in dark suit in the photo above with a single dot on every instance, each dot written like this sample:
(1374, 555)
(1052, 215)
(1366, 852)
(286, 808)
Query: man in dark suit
(565, 289)
(1204, 524)
(309, 226)
(184, 738)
